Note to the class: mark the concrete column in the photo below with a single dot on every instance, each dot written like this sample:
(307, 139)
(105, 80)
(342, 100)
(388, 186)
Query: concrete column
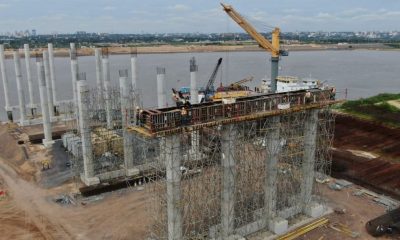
(274, 72)
(5, 84)
(21, 95)
(134, 70)
(99, 74)
(274, 223)
(31, 105)
(193, 82)
(310, 141)
(52, 75)
(47, 141)
(228, 135)
(173, 163)
(161, 98)
(88, 176)
(74, 72)
(107, 88)
(124, 84)
(48, 83)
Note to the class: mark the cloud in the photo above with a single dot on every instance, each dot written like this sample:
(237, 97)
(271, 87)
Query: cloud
(179, 7)
(4, 5)
(109, 8)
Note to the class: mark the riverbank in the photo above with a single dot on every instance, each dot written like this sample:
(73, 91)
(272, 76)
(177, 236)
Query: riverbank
(121, 49)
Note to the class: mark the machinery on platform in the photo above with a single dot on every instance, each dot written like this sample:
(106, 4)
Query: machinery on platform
(273, 47)
(388, 223)
(208, 91)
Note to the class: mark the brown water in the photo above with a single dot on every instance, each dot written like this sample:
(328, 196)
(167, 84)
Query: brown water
(364, 73)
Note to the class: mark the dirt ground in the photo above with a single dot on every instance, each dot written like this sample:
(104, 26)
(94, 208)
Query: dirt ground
(29, 212)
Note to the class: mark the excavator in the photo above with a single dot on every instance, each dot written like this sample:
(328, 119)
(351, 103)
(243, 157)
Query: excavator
(273, 47)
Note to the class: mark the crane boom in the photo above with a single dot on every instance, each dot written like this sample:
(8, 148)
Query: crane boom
(240, 82)
(273, 47)
(213, 75)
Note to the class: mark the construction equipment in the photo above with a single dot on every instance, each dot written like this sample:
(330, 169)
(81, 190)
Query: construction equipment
(273, 47)
(385, 224)
(180, 99)
(208, 91)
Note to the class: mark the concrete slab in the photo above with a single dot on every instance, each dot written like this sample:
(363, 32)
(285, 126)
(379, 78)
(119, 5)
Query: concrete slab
(132, 172)
(90, 181)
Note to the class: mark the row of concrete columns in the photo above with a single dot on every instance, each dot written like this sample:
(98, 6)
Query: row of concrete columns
(49, 59)
(228, 164)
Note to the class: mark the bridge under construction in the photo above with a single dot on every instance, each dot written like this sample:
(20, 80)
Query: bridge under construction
(223, 171)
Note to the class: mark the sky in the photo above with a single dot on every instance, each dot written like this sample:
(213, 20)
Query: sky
(204, 16)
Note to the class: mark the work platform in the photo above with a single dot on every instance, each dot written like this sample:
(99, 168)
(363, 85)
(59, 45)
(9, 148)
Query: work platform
(167, 121)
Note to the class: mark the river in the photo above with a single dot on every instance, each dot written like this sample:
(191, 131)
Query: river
(362, 72)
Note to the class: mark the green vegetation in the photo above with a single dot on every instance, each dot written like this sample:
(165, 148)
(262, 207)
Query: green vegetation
(375, 108)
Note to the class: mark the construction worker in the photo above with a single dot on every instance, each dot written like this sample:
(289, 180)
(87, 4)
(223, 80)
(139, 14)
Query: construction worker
(184, 114)
(333, 93)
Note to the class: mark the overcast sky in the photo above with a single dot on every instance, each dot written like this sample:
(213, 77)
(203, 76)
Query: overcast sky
(161, 16)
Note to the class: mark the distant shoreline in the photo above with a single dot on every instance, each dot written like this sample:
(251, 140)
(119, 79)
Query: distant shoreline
(117, 50)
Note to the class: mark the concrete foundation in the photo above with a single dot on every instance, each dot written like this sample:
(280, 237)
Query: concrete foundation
(278, 225)
(5, 84)
(21, 95)
(314, 210)
(173, 163)
(47, 141)
(31, 104)
(88, 176)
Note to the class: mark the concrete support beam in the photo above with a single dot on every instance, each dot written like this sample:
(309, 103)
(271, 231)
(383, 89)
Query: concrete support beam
(124, 84)
(88, 176)
(173, 163)
(228, 162)
(274, 223)
(5, 84)
(135, 92)
(47, 141)
(31, 104)
(310, 141)
(48, 83)
(99, 74)
(107, 88)
(53, 76)
(161, 97)
(74, 73)
(21, 95)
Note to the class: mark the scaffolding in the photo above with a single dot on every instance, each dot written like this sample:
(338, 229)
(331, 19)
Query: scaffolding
(213, 181)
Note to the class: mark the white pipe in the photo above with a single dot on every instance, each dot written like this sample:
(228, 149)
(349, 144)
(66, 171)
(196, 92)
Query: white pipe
(43, 103)
(48, 83)
(5, 82)
(52, 72)
(21, 96)
(29, 76)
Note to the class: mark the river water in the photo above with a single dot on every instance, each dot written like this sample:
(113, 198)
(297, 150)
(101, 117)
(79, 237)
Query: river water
(362, 72)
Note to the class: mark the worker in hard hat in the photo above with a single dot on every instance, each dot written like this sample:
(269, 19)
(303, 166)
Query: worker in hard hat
(308, 97)
(184, 116)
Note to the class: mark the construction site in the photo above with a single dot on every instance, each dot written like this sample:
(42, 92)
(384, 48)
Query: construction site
(221, 163)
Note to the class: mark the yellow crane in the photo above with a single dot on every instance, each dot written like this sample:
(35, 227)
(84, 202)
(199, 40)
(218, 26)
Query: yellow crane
(273, 47)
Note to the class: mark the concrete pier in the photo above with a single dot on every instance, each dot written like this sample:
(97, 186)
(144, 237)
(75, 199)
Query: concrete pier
(47, 141)
(310, 145)
(107, 88)
(48, 83)
(5, 85)
(274, 223)
(88, 176)
(21, 95)
(74, 72)
(99, 74)
(31, 104)
(228, 164)
(53, 76)
(173, 163)
(124, 84)
(135, 92)
(161, 97)
(193, 82)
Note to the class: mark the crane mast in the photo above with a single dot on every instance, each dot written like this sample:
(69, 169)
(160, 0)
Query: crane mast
(273, 47)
